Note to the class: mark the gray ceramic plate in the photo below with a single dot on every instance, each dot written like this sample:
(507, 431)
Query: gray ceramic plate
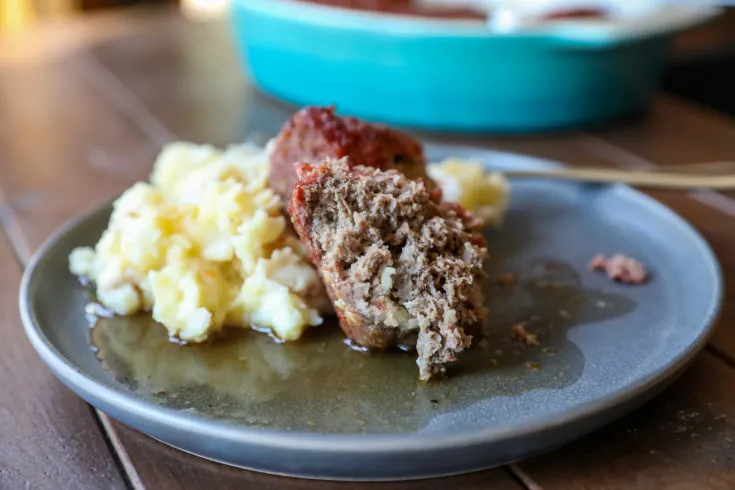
(315, 408)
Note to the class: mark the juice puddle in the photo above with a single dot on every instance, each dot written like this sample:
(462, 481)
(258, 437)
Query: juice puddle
(319, 384)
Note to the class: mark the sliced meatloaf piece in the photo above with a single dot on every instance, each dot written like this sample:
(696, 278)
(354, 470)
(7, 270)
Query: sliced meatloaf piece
(316, 133)
(396, 261)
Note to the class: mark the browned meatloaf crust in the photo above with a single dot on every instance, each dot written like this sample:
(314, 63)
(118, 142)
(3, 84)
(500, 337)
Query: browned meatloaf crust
(316, 133)
(394, 259)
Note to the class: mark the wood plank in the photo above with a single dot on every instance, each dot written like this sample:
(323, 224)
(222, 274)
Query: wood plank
(673, 132)
(177, 470)
(182, 69)
(63, 146)
(50, 437)
(712, 37)
(51, 39)
(681, 440)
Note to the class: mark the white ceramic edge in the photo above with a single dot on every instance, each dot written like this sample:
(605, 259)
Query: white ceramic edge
(674, 19)
(670, 19)
(354, 443)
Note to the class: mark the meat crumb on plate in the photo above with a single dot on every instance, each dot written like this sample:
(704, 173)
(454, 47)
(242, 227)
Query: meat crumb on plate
(506, 280)
(620, 268)
(519, 332)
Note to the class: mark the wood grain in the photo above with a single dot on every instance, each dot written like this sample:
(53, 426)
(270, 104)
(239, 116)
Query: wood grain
(177, 470)
(713, 37)
(180, 70)
(49, 437)
(59, 37)
(672, 132)
(682, 440)
(64, 147)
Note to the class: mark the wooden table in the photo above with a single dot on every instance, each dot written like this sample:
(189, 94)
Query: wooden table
(82, 115)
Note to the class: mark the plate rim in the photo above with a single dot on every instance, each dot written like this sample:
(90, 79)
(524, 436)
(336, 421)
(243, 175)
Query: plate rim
(127, 402)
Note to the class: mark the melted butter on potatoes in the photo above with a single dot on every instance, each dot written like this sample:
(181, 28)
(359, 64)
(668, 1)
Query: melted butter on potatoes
(204, 245)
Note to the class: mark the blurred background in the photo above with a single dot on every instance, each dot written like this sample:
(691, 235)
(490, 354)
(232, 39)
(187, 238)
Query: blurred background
(19, 15)
(700, 69)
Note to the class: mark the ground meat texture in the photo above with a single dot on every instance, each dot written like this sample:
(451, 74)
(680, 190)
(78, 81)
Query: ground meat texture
(396, 261)
(316, 133)
(620, 268)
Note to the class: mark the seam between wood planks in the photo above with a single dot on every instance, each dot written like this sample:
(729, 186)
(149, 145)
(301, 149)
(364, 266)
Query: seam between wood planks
(127, 468)
(125, 100)
(522, 477)
(19, 246)
(21, 253)
(721, 355)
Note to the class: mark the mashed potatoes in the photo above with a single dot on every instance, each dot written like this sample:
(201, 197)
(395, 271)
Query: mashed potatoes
(204, 245)
(466, 182)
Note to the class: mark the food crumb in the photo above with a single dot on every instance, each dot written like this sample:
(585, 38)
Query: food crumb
(96, 310)
(620, 268)
(564, 314)
(519, 332)
(533, 366)
(506, 280)
(549, 351)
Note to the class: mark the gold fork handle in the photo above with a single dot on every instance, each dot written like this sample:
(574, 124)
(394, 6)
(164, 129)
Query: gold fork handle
(652, 179)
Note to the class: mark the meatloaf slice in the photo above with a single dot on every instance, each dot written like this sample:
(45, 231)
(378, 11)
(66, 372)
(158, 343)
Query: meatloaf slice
(316, 133)
(396, 261)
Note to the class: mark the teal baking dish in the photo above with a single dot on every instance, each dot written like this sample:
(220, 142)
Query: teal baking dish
(455, 74)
